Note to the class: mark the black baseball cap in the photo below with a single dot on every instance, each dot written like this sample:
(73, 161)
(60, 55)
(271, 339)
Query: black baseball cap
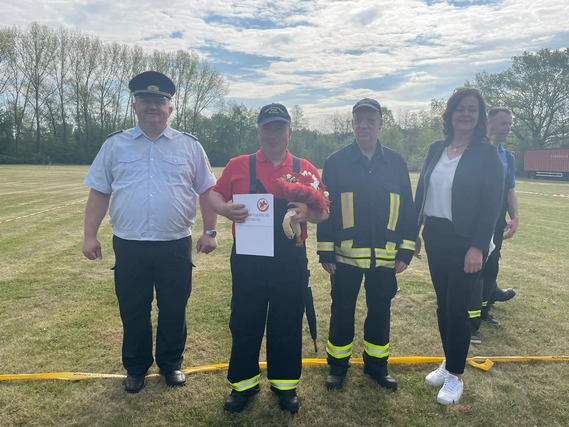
(369, 103)
(273, 112)
(152, 83)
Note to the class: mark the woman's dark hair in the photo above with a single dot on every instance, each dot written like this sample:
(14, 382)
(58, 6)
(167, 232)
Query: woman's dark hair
(458, 95)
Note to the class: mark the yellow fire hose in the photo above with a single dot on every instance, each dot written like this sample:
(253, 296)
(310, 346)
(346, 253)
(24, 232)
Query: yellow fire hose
(479, 362)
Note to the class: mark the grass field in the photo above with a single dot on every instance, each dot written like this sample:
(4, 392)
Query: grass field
(58, 312)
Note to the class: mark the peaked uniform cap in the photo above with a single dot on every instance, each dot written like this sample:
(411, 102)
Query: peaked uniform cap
(152, 83)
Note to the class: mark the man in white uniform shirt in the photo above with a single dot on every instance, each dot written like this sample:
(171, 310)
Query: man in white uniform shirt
(155, 175)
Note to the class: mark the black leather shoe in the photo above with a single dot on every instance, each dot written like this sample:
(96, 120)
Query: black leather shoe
(289, 403)
(488, 318)
(134, 383)
(237, 400)
(385, 381)
(334, 382)
(505, 295)
(288, 400)
(336, 376)
(175, 378)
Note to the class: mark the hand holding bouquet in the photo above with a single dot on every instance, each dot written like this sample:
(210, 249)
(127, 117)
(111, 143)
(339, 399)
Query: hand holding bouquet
(305, 188)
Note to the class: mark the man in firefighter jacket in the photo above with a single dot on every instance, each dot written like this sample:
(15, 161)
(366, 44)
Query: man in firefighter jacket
(370, 233)
(267, 290)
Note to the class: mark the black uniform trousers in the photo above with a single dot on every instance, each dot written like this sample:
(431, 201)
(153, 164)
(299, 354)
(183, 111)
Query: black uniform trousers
(381, 286)
(141, 267)
(454, 288)
(268, 291)
(482, 298)
(492, 267)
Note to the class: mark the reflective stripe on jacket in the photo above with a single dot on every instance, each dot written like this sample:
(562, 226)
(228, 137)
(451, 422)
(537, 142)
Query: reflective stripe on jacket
(372, 219)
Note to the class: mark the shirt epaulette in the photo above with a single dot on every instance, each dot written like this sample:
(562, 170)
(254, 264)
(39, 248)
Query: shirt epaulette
(190, 135)
(114, 133)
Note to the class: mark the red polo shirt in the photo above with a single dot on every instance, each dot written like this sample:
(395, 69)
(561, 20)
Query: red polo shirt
(235, 176)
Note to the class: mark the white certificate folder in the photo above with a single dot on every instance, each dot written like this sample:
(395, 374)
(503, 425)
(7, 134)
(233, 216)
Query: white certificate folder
(255, 236)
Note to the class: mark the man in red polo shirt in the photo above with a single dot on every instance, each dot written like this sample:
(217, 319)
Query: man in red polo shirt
(267, 289)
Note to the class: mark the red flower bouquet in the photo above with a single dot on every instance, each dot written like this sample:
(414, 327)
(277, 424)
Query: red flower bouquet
(302, 187)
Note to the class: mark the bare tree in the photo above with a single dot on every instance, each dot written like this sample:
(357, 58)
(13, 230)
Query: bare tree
(340, 126)
(7, 46)
(17, 86)
(85, 59)
(36, 50)
(60, 75)
(210, 86)
(133, 62)
(297, 118)
(106, 90)
(183, 72)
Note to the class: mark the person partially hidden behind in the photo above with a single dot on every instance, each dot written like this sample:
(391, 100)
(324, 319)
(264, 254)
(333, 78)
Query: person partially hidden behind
(499, 126)
(154, 174)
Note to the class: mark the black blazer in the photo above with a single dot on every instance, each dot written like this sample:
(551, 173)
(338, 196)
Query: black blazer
(476, 190)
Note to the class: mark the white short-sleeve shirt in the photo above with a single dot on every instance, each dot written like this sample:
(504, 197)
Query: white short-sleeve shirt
(154, 184)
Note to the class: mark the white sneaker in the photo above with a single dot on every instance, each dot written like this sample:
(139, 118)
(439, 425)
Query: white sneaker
(438, 376)
(451, 391)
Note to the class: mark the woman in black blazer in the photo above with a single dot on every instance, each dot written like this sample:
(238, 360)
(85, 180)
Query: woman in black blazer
(458, 200)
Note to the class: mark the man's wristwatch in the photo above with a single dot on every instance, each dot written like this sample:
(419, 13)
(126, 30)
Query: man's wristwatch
(212, 233)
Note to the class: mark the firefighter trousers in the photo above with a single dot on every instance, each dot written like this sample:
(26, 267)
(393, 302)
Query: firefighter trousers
(481, 299)
(380, 286)
(491, 269)
(267, 291)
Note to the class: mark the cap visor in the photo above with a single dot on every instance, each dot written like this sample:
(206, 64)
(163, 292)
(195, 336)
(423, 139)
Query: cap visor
(273, 119)
(147, 94)
(373, 107)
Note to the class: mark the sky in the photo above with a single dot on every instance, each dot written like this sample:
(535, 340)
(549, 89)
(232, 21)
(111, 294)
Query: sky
(322, 55)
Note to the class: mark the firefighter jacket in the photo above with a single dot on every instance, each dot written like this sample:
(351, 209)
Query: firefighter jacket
(372, 219)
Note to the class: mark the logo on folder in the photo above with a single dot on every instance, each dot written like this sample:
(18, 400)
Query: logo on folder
(262, 205)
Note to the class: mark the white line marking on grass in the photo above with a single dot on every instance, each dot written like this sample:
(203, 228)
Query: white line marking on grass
(41, 212)
(565, 196)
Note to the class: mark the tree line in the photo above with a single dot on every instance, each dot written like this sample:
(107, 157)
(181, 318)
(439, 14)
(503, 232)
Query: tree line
(62, 92)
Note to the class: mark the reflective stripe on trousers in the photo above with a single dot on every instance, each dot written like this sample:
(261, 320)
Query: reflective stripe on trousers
(339, 352)
(246, 384)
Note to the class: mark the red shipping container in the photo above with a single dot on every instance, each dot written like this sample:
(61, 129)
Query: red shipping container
(552, 162)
